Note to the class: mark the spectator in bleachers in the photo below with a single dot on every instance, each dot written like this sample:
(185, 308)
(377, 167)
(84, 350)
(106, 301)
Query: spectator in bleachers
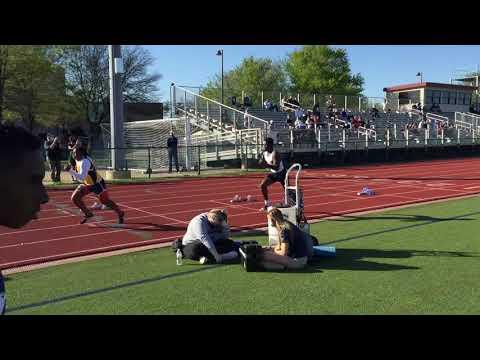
(361, 121)
(316, 113)
(331, 103)
(246, 119)
(343, 114)
(269, 105)
(330, 114)
(299, 124)
(310, 123)
(355, 122)
(247, 102)
(299, 113)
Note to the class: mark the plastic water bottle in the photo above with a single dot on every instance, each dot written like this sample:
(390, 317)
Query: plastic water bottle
(179, 257)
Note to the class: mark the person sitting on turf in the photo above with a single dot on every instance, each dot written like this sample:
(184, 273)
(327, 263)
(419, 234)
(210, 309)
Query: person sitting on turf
(271, 159)
(92, 182)
(21, 183)
(207, 238)
(293, 248)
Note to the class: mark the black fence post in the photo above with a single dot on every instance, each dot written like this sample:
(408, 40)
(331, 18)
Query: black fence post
(198, 158)
(149, 168)
(246, 156)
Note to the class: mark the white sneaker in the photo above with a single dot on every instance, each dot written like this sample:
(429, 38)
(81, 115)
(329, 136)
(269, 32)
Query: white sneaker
(96, 206)
(203, 260)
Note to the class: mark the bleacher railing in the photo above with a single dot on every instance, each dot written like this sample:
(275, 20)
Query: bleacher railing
(210, 153)
(339, 101)
(468, 121)
(437, 118)
(213, 113)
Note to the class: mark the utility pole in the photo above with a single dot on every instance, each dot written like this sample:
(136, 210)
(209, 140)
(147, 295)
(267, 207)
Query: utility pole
(116, 107)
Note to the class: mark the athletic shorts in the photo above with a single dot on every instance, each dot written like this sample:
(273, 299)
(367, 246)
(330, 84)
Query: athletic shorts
(99, 189)
(278, 177)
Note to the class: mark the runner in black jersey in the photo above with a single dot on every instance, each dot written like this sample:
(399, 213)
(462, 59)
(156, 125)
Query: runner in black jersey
(271, 159)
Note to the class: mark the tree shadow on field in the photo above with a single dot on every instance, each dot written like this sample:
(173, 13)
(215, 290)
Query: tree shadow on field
(403, 217)
(427, 220)
(356, 259)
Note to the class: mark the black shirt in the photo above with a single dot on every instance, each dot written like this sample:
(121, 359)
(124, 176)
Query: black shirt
(172, 143)
(54, 153)
(296, 241)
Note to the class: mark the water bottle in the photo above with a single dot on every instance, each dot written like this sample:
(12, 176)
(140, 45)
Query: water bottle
(179, 257)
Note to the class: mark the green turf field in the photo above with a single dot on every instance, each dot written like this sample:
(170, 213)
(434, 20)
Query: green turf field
(420, 260)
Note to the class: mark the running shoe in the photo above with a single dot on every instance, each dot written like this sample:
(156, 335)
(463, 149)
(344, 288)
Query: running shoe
(203, 260)
(96, 206)
(85, 219)
(120, 218)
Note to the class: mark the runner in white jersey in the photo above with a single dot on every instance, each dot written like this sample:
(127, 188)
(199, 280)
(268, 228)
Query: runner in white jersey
(271, 159)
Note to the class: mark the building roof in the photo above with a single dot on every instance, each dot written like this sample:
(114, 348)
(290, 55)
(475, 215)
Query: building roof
(428, 84)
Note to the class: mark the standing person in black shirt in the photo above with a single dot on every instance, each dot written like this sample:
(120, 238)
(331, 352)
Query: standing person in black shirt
(54, 154)
(172, 151)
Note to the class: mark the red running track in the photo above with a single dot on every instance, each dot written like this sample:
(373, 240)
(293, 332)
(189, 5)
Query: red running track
(159, 213)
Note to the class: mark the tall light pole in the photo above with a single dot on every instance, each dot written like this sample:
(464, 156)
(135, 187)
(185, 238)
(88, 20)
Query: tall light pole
(116, 106)
(220, 53)
(421, 76)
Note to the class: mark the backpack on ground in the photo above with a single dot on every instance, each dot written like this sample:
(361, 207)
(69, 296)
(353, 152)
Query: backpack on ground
(250, 252)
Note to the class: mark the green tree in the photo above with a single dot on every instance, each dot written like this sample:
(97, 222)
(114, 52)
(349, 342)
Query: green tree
(322, 69)
(34, 90)
(87, 76)
(252, 76)
(6, 54)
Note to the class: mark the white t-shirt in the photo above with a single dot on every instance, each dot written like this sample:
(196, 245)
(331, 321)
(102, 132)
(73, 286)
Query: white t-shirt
(269, 158)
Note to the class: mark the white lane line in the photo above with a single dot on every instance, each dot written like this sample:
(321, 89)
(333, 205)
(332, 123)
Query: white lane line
(153, 214)
(71, 225)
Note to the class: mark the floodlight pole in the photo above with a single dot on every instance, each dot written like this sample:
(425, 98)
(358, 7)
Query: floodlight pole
(116, 106)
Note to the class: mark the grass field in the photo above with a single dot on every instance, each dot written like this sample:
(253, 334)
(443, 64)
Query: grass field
(418, 260)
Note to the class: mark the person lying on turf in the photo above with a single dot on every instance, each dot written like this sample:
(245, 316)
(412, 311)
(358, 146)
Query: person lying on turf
(21, 186)
(92, 182)
(271, 159)
(293, 248)
(207, 238)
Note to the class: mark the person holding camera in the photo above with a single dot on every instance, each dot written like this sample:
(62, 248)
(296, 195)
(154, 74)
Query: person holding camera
(207, 238)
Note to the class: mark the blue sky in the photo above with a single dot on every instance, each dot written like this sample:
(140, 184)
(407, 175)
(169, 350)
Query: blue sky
(380, 65)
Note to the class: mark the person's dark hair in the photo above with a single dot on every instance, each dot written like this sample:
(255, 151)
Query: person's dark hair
(82, 150)
(15, 141)
(268, 141)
